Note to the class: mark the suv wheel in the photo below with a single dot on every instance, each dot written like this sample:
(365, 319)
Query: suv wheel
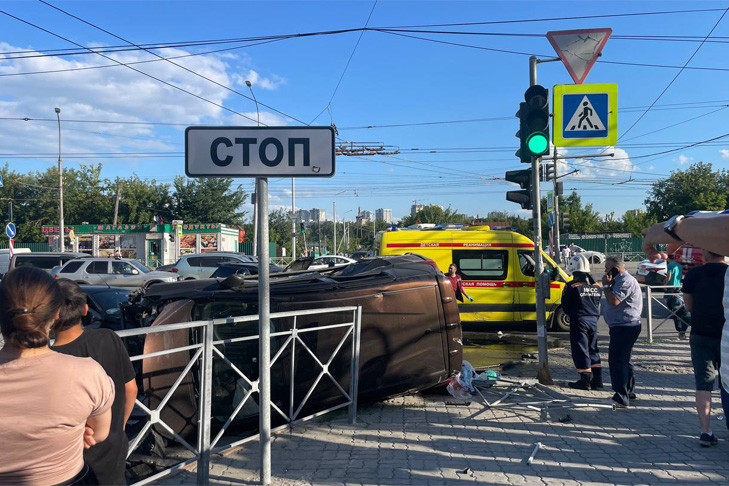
(560, 320)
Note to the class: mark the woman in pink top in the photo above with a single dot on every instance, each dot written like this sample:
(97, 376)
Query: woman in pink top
(48, 399)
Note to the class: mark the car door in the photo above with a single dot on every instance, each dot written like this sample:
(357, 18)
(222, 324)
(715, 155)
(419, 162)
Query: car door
(123, 274)
(526, 293)
(97, 272)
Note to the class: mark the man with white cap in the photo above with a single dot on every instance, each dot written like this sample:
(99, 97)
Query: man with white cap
(581, 302)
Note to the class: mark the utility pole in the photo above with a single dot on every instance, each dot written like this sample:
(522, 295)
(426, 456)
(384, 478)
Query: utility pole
(557, 253)
(334, 219)
(116, 202)
(293, 220)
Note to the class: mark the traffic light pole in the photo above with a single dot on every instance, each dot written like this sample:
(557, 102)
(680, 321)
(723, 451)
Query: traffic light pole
(557, 253)
(543, 375)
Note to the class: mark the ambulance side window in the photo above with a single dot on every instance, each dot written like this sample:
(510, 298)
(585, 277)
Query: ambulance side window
(526, 263)
(482, 264)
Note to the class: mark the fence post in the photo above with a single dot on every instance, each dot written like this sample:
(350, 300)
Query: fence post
(649, 302)
(354, 373)
(206, 398)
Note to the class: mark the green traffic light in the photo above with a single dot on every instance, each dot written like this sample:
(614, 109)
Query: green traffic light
(538, 144)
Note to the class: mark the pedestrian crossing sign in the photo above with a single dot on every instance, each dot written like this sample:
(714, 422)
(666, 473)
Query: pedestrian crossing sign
(585, 115)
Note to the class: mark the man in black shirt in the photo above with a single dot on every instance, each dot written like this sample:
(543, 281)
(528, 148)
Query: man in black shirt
(107, 459)
(703, 290)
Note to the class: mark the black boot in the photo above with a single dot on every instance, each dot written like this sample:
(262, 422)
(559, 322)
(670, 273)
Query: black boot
(583, 383)
(596, 382)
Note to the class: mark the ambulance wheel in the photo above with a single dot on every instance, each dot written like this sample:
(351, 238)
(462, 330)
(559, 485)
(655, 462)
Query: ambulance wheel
(560, 320)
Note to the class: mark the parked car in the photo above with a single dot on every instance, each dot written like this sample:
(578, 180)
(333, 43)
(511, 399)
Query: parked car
(410, 335)
(45, 260)
(103, 302)
(5, 258)
(120, 272)
(594, 257)
(323, 262)
(225, 271)
(202, 265)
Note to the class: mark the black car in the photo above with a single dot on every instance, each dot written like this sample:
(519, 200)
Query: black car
(225, 271)
(103, 304)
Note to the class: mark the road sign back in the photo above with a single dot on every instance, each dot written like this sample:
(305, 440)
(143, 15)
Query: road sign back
(585, 115)
(579, 49)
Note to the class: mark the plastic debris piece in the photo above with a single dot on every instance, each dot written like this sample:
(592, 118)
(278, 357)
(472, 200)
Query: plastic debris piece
(466, 376)
(465, 471)
(456, 390)
(534, 452)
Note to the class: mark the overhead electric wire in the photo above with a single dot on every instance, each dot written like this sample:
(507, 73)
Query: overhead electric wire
(696, 51)
(52, 71)
(554, 19)
(175, 64)
(346, 66)
(130, 67)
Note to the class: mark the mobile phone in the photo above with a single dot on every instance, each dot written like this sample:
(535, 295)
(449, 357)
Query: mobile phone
(613, 272)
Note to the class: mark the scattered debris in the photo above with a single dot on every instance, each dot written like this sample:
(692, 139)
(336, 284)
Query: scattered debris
(567, 418)
(537, 446)
(462, 404)
(529, 356)
(465, 471)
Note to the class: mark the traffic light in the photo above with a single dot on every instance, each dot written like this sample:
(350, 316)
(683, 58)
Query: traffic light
(533, 124)
(171, 237)
(548, 172)
(302, 228)
(565, 221)
(524, 179)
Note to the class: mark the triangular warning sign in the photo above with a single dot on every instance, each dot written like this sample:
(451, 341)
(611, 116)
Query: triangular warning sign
(585, 118)
(579, 49)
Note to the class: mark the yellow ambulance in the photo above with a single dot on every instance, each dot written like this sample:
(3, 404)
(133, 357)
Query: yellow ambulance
(497, 268)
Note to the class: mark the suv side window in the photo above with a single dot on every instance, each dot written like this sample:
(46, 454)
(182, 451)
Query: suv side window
(98, 267)
(482, 264)
(122, 268)
(195, 262)
(71, 267)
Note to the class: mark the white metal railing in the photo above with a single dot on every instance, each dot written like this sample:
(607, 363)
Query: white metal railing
(656, 293)
(204, 353)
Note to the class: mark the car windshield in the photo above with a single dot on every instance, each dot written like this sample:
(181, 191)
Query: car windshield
(109, 299)
(140, 266)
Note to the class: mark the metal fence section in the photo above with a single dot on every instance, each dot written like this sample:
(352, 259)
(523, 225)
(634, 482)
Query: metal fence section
(657, 294)
(202, 356)
(32, 246)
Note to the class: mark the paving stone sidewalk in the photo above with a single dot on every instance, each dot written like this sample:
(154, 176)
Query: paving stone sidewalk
(427, 440)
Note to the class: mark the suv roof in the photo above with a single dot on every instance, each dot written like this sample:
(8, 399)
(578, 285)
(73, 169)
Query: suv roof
(44, 256)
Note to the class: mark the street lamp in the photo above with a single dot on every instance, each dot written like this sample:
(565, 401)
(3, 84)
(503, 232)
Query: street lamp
(61, 226)
(255, 206)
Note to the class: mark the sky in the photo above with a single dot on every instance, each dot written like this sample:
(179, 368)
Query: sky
(433, 85)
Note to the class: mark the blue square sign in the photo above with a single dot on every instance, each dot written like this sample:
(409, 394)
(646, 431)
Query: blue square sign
(586, 115)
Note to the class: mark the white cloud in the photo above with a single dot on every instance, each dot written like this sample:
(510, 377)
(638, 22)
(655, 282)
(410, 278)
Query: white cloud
(120, 94)
(683, 159)
(258, 81)
(619, 166)
(724, 154)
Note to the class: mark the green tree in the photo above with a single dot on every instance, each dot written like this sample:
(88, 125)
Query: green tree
(143, 199)
(582, 219)
(697, 188)
(634, 223)
(434, 214)
(208, 200)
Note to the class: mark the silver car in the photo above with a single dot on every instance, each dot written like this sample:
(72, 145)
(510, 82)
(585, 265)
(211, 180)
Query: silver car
(202, 265)
(117, 272)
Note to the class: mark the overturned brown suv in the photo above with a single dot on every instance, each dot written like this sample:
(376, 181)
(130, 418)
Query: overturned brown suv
(410, 334)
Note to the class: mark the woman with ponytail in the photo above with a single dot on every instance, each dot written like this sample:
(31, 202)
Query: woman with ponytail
(53, 405)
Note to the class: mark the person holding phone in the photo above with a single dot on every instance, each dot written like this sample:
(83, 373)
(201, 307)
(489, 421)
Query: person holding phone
(622, 315)
(457, 283)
